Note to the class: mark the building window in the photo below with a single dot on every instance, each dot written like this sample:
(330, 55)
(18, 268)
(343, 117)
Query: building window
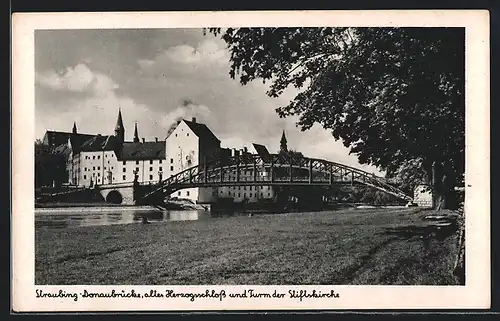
(171, 161)
(137, 169)
(176, 136)
(187, 193)
(98, 156)
(261, 194)
(137, 162)
(251, 194)
(178, 193)
(98, 168)
(85, 169)
(161, 170)
(244, 188)
(151, 161)
(98, 174)
(124, 162)
(108, 162)
(151, 169)
(160, 161)
(93, 168)
(124, 170)
(244, 194)
(111, 167)
(268, 194)
(104, 167)
(106, 155)
(171, 168)
(98, 181)
(124, 177)
(187, 134)
(239, 194)
(150, 177)
(229, 193)
(93, 157)
(84, 176)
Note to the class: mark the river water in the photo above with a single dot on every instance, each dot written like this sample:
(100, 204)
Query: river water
(76, 217)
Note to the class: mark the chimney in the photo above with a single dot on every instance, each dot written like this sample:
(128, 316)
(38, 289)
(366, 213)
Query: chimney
(156, 139)
(143, 139)
(245, 149)
(193, 120)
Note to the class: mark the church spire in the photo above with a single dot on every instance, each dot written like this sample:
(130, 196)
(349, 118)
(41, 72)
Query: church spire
(136, 135)
(283, 145)
(74, 128)
(119, 129)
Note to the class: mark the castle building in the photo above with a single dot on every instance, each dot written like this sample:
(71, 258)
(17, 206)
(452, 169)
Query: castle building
(95, 159)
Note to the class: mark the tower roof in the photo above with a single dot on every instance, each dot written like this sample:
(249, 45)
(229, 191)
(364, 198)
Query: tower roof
(74, 128)
(136, 134)
(283, 138)
(119, 121)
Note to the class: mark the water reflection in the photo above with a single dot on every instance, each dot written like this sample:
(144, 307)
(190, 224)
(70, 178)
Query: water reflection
(73, 218)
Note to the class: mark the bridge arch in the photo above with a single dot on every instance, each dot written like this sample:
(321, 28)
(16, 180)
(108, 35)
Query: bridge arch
(278, 170)
(114, 197)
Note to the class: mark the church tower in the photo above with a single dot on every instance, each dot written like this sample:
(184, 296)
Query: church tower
(136, 135)
(119, 129)
(283, 146)
(74, 128)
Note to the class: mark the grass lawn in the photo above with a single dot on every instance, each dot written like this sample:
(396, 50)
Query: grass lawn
(362, 246)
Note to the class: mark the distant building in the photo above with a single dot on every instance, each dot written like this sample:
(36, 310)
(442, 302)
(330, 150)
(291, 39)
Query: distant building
(95, 159)
(98, 159)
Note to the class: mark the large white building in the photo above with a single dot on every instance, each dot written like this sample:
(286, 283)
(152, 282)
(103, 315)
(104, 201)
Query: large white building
(109, 159)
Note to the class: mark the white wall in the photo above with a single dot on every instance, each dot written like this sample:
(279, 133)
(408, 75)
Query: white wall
(182, 150)
(148, 170)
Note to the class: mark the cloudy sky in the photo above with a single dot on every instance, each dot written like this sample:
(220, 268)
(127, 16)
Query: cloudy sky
(156, 76)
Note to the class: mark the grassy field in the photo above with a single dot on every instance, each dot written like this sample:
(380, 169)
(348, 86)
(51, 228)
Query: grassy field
(363, 246)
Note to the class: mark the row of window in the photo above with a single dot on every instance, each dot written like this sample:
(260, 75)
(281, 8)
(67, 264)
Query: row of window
(94, 168)
(98, 156)
(245, 194)
(249, 187)
(124, 177)
(160, 161)
(137, 169)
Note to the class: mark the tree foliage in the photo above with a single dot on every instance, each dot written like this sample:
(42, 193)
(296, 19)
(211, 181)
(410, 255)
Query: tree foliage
(49, 167)
(392, 95)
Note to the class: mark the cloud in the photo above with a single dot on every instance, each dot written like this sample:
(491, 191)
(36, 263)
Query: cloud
(205, 52)
(76, 79)
(186, 110)
(157, 82)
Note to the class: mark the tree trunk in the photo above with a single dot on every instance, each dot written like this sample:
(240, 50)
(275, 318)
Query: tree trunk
(443, 194)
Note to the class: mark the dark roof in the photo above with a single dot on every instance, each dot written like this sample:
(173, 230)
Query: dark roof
(201, 130)
(262, 151)
(141, 151)
(62, 150)
(55, 138)
(98, 143)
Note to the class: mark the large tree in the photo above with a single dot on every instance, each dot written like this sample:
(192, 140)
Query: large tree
(392, 95)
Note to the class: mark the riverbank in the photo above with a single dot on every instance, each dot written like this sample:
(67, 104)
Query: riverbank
(356, 246)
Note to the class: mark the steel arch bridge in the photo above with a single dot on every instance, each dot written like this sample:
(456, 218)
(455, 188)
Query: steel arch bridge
(270, 170)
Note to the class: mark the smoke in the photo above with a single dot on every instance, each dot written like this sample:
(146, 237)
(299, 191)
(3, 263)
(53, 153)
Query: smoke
(187, 109)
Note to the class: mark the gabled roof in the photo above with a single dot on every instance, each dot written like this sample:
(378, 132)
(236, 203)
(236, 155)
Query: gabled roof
(56, 138)
(99, 143)
(262, 151)
(62, 149)
(201, 130)
(142, 151)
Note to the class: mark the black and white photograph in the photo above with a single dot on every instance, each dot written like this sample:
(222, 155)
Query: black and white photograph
(266, 156)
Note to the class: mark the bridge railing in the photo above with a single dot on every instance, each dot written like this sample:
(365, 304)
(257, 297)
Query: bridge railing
(273, 169)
